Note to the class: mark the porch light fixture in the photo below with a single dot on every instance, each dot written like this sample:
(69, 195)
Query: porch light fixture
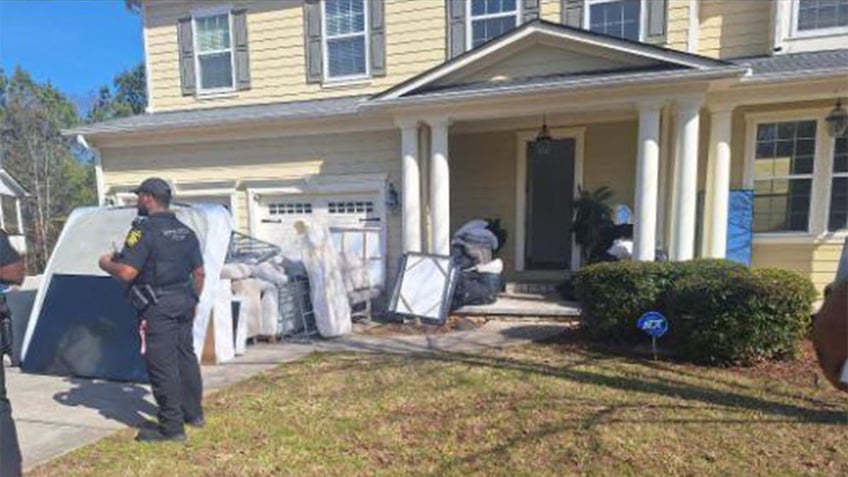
(543, 142)
(837, 120)
(392, 199)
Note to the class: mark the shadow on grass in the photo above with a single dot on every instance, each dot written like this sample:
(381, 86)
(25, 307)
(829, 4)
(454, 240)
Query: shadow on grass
(642, 384)
(121, 402)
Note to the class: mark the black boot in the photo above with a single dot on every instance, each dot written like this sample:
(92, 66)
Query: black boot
(156, 435)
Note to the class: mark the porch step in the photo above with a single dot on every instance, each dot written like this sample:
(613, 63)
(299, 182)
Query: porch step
(531, 288)
(525, 306)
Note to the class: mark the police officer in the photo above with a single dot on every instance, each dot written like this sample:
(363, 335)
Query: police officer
(11, 273)
(162, 262)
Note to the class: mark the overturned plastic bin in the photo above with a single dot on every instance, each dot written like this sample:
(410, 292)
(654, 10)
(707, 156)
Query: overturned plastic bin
(81, 324)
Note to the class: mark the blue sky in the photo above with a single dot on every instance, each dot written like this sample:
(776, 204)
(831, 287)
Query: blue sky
(78, 45)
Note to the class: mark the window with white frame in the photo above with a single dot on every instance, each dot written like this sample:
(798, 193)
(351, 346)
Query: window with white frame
(820, 15)
(783, 175)
(214, 57)
(620, 18)
(838, 212)
(488, 19)
(345, 39)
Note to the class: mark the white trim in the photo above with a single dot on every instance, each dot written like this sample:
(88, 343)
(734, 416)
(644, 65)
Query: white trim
(206, 13)
(522, 137)
(365, 34)
(692, 36)
(230, 192)
(470, 18)
(147, 82)
(643, 15)
(587, 38)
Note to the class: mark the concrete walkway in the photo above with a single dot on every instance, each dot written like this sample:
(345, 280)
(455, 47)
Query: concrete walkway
(55, 415)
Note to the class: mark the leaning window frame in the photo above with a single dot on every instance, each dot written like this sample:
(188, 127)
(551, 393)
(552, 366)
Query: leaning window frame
(822, 175)
(643, 15)
(794, 32)
(470, 18)
(325, 54)
(206, 13)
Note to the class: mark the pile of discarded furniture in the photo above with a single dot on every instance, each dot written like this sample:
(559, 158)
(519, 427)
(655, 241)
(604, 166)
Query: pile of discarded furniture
(479, 279)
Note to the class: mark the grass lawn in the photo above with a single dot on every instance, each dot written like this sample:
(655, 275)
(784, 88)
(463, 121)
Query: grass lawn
(557, 408)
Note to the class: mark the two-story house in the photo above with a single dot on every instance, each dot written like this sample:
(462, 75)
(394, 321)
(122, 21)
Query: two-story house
(409, 117)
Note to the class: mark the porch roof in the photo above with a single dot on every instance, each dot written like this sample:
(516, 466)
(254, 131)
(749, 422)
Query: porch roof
(10, 187)
(813, 63)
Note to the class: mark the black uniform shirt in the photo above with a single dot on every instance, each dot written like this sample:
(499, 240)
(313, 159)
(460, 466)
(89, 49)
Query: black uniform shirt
(163, 249)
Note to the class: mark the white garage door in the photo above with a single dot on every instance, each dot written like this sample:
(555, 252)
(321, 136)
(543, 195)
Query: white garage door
(354, 220)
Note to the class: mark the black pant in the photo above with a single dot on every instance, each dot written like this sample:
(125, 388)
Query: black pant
(10, 452)
(171, 362)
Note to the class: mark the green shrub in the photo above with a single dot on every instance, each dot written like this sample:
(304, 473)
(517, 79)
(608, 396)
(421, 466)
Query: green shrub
(613, 295)
(718, 311)
(739, 316)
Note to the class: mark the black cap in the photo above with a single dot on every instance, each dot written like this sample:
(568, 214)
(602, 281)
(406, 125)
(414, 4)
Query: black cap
(156, 187)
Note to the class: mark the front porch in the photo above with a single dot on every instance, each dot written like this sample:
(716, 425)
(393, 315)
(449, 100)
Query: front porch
(621, 115)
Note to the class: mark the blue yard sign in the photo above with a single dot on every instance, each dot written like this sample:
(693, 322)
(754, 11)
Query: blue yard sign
(654, 324)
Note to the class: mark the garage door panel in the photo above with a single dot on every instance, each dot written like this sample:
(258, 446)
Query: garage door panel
(354, 221)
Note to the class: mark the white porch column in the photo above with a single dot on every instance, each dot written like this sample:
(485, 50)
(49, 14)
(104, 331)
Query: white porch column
(19, 216)
(718, 184)
(647, 175)
(439, 186)
(411, 186)
(686, 179)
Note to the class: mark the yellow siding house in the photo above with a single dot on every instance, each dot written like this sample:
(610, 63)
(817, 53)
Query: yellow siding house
(409, 117)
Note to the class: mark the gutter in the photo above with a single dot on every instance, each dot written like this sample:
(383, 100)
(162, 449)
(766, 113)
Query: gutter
(795, 75)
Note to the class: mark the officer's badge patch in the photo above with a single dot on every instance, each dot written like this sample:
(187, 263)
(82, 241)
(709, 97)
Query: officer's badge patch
(133, 238)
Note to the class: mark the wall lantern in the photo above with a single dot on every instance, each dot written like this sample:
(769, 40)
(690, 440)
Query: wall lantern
(392, 199)
(837, 120)
(543, 142)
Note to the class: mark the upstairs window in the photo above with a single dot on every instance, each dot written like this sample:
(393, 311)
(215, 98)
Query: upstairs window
(619, 18)
(821, 16)
(345, 39)
(214, 58)
(488, 19)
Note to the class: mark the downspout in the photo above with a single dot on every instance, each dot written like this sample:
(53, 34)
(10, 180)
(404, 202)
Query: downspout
(98, 169)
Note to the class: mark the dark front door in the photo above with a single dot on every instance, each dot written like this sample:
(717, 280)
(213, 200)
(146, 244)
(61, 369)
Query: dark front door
(550, 196)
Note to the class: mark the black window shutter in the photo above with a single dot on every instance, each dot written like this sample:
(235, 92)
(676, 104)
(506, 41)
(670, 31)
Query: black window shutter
(377, 22)
(188, 80)
(240, 50)
(312, 33)
(572, 13)
(657, 13)
(455, 10)
(529, 10)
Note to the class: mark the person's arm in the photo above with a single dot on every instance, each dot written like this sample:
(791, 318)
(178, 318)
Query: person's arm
(118, 270)
(199, 276)
(12, 270)
(126, 265)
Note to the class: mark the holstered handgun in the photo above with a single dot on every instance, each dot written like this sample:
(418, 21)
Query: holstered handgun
(141, 297)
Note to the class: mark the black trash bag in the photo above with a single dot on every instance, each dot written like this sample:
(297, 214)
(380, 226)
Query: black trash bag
(474, 288)
(460, 257)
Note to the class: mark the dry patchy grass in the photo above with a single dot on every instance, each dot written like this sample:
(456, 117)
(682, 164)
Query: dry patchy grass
(547, 409)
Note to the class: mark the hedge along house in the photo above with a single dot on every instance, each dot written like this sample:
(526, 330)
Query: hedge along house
(328, 110)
